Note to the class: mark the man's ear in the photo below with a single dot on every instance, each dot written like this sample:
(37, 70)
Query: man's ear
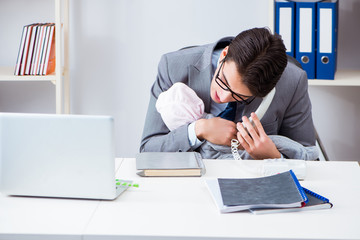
(224, 53)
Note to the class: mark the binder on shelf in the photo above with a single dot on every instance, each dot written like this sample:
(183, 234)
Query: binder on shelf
(305, 39)
(326, 55)
(285, 24)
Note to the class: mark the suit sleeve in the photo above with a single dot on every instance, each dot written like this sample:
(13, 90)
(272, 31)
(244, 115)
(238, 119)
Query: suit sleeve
(297, 122)
(156, 136)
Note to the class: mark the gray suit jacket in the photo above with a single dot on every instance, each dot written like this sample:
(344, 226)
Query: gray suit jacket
(288, 115)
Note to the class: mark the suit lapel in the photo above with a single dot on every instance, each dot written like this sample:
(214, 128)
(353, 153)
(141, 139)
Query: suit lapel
(200, 81)
(200, 74)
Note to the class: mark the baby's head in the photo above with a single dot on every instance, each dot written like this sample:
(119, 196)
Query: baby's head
(179, 105)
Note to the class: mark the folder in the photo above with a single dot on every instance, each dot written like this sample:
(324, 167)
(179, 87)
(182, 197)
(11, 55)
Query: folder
(285, 24)
(281, 190)
(305, 39)
(326, 55)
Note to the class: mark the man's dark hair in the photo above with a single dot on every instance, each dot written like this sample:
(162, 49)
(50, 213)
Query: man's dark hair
(260, 58)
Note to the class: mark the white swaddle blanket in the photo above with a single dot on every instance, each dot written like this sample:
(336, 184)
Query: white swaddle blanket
(179, 105)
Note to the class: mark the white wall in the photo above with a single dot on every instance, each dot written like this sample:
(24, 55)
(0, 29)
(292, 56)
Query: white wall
(115, 46)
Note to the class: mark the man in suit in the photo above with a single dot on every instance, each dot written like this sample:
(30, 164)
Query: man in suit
(238, 70)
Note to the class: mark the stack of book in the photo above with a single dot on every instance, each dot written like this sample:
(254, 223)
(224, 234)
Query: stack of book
(272, 194)
(37, 50)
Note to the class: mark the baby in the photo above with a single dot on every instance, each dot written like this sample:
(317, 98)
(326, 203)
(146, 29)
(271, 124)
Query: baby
(180, 105)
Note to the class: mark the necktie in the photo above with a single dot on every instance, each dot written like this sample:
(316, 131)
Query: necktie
(229, 112)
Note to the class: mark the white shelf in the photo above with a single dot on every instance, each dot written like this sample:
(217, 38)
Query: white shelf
(342, 78)
(7, 74)
(61, 75)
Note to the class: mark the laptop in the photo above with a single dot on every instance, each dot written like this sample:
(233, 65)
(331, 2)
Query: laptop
(64, 156)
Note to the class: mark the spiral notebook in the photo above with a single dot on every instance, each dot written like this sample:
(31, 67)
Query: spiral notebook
(315, 202)
(277, 191)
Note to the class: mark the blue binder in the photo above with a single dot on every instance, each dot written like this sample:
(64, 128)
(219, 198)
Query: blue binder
(305, 39)
(326, 55)
(285, 24)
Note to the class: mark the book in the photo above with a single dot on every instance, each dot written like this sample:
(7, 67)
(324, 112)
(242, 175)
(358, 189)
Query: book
(36, 54)
(50, 60)
(170, 164)
(26, 49)
(44, 49)
(21, 51)
(315, 202)
(40, 48)
(31, 49)
(238, 194)
(36, 49)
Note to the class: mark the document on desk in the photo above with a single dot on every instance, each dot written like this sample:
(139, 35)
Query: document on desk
(278, 191)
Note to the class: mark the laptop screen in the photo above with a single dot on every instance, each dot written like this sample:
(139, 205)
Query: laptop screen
(53, 155)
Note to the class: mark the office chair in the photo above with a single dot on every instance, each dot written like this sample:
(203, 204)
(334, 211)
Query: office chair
(323, 155)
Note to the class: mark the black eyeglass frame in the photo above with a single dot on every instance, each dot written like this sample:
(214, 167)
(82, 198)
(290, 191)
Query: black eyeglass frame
(233, 94)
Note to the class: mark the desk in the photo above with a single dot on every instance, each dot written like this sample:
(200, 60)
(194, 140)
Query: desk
(177, 208)
(42, 219)
(33, 218)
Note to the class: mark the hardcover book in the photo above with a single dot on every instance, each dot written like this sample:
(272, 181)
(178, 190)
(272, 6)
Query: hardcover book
(170, 164)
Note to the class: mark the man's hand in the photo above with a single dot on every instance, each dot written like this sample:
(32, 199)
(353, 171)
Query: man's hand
(216, 130)
(255, 141)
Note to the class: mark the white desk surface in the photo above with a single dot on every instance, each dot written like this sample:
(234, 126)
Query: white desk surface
(43, 219)
(177, 208)
(34, 218)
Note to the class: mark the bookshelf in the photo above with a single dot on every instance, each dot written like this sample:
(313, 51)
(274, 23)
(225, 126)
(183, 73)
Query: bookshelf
(343, 78)
(60, 78)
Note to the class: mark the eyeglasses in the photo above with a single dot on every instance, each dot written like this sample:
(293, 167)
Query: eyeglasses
(238, 97)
